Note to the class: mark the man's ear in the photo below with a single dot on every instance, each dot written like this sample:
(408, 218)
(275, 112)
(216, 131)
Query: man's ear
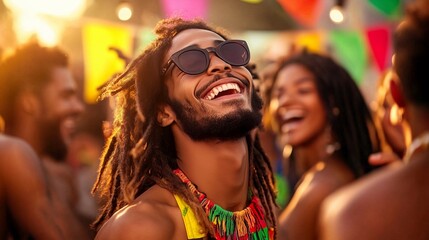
(397, 94)
(29, 102)
(165, 116)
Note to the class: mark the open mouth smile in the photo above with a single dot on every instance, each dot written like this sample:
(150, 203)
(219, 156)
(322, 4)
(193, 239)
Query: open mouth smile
(223, 90)
(291, 119)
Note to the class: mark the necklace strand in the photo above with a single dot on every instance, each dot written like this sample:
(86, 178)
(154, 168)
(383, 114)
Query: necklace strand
(421, 142)
(248, 223)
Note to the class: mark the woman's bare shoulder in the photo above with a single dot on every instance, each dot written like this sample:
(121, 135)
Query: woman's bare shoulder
(323, 180)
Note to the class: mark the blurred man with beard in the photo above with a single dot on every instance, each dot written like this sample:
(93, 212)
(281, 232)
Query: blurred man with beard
(39, 103)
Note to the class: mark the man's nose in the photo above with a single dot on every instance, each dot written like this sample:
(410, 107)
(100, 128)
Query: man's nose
(217, 64)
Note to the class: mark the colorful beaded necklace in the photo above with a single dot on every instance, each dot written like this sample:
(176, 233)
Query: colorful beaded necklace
(248, 223)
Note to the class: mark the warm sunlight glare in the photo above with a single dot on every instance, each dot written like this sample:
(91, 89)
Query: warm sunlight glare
(27, 26)
(57, 8)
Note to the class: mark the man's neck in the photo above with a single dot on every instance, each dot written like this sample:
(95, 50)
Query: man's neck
(220, 169)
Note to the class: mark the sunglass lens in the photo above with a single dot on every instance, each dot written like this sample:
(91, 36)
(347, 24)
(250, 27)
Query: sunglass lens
(193, 61)
(235, 54)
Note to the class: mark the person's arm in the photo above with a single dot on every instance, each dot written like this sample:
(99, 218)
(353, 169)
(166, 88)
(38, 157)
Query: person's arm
(26, 190)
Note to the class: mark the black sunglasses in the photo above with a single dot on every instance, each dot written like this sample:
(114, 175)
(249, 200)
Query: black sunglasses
(194, 60)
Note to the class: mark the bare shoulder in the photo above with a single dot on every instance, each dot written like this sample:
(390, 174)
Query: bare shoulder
(322, 181)
(10, 141)
(19, 164)
(12, 148)
(366, 190)
(361, 203)
(300, 216)
(18, 158)
(137, 221)
(153, 215)
(9, 144)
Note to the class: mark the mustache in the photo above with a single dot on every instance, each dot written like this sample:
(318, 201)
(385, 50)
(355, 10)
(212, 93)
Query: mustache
(216, 78)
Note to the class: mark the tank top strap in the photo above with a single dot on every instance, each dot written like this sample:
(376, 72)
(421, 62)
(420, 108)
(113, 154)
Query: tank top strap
(193, 228)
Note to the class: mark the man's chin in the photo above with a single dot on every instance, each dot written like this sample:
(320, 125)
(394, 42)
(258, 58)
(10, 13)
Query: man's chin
(230, 127)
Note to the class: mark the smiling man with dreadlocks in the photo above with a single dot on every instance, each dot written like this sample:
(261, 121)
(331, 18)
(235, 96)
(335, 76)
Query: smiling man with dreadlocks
(184, 161)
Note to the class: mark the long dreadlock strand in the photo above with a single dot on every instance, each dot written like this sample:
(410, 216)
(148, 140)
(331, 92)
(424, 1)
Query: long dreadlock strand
(108, 151)
(264, 181)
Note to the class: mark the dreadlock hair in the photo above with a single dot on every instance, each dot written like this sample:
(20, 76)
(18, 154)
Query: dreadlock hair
(28, 67)
(347, 112)
(411, 53)
(140, 153)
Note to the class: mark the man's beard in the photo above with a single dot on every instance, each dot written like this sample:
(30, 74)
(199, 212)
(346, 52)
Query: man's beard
(232, 126)
(52, 140)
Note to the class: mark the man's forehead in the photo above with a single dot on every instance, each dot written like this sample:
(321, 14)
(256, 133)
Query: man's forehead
(200, 37)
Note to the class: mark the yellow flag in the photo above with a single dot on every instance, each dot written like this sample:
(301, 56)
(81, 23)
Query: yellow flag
(100, 62)
(309, 40)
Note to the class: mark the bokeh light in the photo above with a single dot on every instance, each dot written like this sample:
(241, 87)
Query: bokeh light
(124, 11)
(336, 14)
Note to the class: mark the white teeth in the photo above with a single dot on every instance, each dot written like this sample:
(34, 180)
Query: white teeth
(224, 87)
(69, 123)
(289, 114)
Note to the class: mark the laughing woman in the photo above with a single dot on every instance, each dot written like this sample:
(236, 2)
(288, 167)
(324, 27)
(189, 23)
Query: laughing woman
(321, 113)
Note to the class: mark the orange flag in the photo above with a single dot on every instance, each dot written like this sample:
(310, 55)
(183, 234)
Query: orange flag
(305, 12)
